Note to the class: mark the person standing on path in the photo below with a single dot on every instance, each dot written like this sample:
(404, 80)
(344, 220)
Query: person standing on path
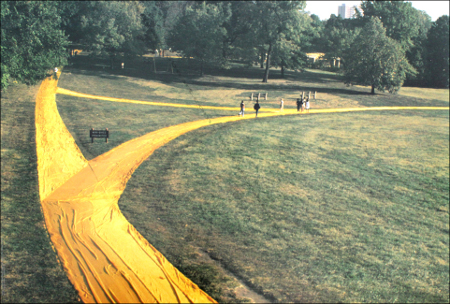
(256, 107)
(55, 75)
(242, 108)
(307, 105)
(299, 104)
(281, 104)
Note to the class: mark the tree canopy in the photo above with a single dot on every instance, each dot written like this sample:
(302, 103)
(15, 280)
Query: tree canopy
(200, 33)
(275, 21)
(36, 36)
(406, 25)
(217, 32)
(399, 19)
(339, 36)
(110, 27)
(437, 45)
(32, 40)
(376, 60)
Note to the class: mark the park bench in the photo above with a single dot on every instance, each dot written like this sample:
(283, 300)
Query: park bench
(259, 95)
(103, 66)
(99, 134)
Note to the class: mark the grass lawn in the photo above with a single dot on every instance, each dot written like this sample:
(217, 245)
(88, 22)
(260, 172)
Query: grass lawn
(311, 209)
(30, 270)
(350, 207)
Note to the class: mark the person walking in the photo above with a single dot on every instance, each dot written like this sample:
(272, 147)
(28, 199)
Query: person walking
(299, 104)
(281, 104)
(307, 105)
(55, 74)
(256, 107)
(242, 108)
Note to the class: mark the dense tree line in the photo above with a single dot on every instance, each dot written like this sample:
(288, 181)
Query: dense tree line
(32, 40)
(418, 48)
(36, 37)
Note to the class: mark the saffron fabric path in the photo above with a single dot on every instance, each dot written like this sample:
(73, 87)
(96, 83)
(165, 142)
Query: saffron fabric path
(105, 258)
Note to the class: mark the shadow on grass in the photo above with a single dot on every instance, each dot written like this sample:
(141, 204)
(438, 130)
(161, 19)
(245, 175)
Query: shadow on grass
(241, 77)
(187, 72)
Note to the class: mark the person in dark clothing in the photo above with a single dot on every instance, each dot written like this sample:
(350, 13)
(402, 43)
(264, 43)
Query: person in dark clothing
(300, 102)
(256, 107)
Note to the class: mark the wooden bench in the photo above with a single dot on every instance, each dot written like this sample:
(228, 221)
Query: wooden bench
(103, 66)
(259, 96)
(99, 134)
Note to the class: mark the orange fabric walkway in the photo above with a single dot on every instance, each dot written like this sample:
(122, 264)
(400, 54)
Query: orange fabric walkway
(105, 258)
(151, 103)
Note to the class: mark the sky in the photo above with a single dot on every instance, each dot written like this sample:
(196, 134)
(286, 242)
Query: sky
(324, 9)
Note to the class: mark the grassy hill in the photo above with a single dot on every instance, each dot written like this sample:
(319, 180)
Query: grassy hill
(313, 208)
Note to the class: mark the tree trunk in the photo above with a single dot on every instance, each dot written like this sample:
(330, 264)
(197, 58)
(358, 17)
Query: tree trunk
(266, 74)
(373, 90)
(201, 69)
(262, 58)
(282, 71)
(224, 52)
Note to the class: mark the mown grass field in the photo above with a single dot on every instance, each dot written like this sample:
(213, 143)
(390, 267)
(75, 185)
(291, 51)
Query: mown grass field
(307, 208)
(349, 207)
(30, 270)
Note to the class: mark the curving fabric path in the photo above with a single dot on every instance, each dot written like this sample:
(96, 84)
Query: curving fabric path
(275, 112)
(177, 105)
(105, 258)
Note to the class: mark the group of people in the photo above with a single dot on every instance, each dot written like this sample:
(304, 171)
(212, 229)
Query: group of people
(256, 107)
(302, 104)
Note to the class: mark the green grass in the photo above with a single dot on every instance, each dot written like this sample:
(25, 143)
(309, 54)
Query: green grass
(30, 270)
(124, 121)
(317, 208)
(309, 208)
(314, 208)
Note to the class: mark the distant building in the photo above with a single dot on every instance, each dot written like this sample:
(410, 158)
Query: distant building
(315, 56)
(345, 11)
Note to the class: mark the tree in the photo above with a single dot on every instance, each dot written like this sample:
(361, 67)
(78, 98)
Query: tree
(200, 34)
(376, 60)
(288, 50)
(32, 40)
(437, 45)
(288, 55)
(275, 21)
(113, 27)
(401, 20)
(313, 40)
(71, 13)
(153, 23)
(416, 54)
(337, 36)
(406, 25)
(240, 39)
